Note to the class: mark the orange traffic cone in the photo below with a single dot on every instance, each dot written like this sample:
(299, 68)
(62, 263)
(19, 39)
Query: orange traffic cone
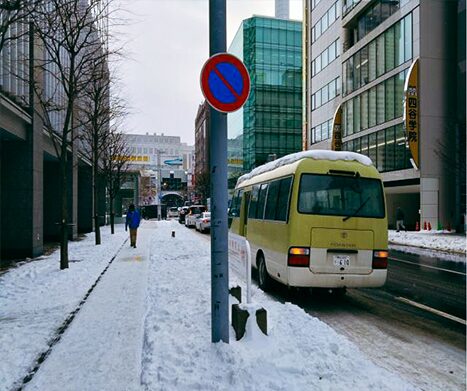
(429, 226)
(417, 226)
(424, 226)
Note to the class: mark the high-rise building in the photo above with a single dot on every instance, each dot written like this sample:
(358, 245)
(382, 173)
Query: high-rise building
(358, 59)
(269, 124)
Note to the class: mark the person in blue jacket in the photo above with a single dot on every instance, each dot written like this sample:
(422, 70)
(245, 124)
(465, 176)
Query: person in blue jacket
(133, 218)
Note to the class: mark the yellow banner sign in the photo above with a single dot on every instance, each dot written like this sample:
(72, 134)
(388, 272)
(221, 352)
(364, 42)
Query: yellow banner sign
(336, 144)
(131, 158)
(412, 112)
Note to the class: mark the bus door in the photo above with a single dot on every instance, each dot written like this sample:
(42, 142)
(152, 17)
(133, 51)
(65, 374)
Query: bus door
(243, 230)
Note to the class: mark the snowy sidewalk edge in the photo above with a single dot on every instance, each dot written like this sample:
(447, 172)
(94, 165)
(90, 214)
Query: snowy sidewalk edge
(428, 248)
(59, 331)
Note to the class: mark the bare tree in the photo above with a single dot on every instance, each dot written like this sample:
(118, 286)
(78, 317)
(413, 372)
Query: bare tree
(14, 13)
(94, 116)
(115, 160)
(72, 44)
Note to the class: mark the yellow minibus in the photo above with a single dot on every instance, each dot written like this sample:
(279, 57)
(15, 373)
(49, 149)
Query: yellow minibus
(314, 219)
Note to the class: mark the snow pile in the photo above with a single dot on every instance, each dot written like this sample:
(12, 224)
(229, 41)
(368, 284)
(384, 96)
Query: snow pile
(37, 297)
(436, 240)
(300, 352)
(314, 154)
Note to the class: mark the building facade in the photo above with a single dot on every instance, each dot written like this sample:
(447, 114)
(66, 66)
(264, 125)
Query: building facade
(164, 165)
(358, 58)
(202, 158)
(269, 124)
(30, 184)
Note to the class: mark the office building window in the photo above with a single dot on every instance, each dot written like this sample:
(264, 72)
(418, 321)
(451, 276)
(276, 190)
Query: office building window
(327, 56)
(322, 131)
(389, 90)
(326, 20)
(372, 108)
(372, 17)
(372, 61)
(364, 110)
(323, 95)
(356, 116)
(408, 37)
(380, 103)
(389, 50)
(387, 148)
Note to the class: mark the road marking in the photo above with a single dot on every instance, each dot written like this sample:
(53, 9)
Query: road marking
(427, 266)
(432, 310)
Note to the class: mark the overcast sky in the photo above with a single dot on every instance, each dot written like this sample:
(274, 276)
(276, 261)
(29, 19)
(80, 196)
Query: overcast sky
(167, 43)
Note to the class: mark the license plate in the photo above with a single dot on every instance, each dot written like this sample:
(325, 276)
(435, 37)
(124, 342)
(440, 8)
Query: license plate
(341, 260)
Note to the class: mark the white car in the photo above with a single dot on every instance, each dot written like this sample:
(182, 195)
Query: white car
(194, 211)
(203, 222)
(172, 212)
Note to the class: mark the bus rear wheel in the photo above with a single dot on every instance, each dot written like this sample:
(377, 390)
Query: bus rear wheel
(264, 280)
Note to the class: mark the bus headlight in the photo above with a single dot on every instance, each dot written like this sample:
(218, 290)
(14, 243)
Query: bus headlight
(380, 259)
(299, 256)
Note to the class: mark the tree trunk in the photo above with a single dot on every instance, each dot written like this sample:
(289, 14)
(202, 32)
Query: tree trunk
(112, 215)
(64, 216)
(95, 189)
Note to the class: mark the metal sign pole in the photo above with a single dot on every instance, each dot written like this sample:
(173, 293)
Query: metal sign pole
(218, 170)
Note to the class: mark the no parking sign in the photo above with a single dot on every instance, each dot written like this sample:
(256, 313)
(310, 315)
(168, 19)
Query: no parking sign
(225, 82)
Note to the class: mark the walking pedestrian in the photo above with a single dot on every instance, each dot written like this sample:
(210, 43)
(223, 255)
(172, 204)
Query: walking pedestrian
(133, 218)
(400, 219)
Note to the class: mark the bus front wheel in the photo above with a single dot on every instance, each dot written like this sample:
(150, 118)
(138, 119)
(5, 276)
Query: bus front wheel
(264, 281)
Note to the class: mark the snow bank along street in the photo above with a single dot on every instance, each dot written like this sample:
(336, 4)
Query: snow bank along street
(146, 326)
(434, 240)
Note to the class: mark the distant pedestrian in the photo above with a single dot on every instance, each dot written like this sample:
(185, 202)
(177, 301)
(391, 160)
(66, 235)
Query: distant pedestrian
(400, 219)
(133, 218)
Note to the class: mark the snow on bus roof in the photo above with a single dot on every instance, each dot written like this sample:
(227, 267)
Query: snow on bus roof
(317, 154)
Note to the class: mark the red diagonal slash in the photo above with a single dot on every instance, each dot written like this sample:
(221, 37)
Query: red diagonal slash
(227, 84)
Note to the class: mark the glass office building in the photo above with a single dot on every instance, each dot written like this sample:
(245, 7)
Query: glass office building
(357, 57)
(269, 124)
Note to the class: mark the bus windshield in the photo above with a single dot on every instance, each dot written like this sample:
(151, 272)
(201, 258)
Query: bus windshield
(338, 195)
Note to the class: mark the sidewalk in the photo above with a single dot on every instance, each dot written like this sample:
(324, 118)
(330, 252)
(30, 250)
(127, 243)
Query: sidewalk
(432, 240)
(37, 297)
(101, 349)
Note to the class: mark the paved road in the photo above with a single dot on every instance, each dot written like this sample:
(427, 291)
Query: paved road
(434, 282)
(413, 326)
(425, 347)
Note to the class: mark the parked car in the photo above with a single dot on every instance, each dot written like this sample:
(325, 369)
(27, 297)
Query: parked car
(172, 212)
(193, 212)
(182, 214)
(203, 222)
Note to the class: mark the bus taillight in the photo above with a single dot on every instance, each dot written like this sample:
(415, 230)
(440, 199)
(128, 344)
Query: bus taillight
(299, 256)
(380, 259)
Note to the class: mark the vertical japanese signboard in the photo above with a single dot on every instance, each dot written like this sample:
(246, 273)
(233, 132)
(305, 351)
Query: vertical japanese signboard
(412, 112)
(336, 144)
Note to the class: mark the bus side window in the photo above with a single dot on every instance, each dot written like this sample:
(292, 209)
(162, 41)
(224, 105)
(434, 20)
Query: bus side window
(282, 210)
(253, 202)
(247, 203)
(261, 201)
(234, 210)
(271, 203)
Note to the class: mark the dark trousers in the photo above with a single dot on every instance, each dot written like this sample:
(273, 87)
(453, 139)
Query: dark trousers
(133, 232)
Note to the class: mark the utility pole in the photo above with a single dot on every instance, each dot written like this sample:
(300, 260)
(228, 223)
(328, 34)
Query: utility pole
(218, 151)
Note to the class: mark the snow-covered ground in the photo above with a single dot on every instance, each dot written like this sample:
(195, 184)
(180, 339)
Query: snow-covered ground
(146, 325)
(434, 240)
(37, 297)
